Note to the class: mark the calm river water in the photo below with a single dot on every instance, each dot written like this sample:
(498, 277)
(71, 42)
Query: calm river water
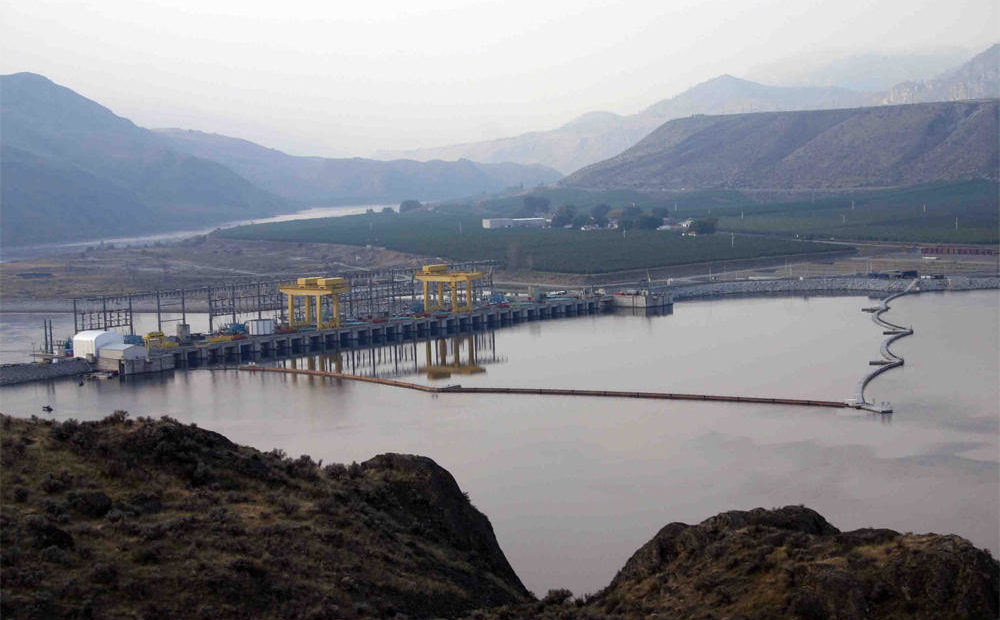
(573, 486)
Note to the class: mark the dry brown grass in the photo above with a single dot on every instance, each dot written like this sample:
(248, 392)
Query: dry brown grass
(183, 523)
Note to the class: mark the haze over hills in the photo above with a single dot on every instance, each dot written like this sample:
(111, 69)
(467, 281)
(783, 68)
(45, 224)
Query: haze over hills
(599, 135)
(866, 72)
(977, 79)
(318, 181)
(72, 169)
(830, 149)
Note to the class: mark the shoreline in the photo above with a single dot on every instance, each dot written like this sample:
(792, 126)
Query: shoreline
(826, 285)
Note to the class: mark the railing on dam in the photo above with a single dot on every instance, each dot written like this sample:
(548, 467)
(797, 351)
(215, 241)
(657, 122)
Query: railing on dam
(889, 359)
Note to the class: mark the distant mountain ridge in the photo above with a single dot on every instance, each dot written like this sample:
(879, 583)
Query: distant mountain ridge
(72, 169)
(830, 149)
(596, 136)
(318, 181)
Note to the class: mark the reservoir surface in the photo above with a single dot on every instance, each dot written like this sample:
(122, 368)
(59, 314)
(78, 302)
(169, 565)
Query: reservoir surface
(573, 486)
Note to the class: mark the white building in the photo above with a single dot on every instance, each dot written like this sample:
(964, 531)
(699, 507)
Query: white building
(515, 222)
(91, 341)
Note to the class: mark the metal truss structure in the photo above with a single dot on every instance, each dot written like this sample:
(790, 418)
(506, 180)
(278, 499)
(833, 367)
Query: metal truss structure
(373, 294)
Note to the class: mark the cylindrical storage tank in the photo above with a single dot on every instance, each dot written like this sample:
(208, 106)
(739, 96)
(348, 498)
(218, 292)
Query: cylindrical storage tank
(261, 327)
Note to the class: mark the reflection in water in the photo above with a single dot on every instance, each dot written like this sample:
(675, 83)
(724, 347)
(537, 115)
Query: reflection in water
(650, 311)
(438, 358)
(573, 486)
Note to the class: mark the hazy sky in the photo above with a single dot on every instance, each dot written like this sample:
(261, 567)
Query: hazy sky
(343, 78)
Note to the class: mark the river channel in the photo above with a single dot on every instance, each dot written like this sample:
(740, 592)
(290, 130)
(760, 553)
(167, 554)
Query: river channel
(23, 252)
(573, 486)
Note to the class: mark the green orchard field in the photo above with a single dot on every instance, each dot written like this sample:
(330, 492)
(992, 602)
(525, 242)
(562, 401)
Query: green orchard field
(462, 237)
(921, 214)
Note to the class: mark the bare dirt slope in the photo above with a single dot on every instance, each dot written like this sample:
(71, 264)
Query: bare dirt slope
(201, 261)
(885, 146)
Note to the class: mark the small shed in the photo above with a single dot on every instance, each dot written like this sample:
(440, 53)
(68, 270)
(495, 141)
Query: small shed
(261, 327)
(91, 341)
(122, 351)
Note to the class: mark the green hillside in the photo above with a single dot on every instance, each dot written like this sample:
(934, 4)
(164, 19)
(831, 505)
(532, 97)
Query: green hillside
(921, 214)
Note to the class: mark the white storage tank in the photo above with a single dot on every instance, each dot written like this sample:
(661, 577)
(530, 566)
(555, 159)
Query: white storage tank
(260, 327)
(91, 341)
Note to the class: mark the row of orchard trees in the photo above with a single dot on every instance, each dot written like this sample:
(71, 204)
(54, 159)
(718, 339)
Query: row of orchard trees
(631, 217)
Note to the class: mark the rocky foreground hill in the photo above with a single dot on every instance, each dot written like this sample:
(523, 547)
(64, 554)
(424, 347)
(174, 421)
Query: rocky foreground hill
(153, 518)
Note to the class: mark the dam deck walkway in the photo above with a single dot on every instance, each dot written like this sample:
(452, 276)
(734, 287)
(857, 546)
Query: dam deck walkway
(889, 359)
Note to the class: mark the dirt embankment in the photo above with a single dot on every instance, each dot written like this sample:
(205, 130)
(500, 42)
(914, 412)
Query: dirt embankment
(200, 261)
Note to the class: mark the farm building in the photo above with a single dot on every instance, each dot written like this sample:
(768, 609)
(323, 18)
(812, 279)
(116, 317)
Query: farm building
(515, 222)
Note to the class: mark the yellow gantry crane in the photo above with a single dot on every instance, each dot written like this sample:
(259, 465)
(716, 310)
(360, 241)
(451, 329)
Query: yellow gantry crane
(311, 289)
(440, 275)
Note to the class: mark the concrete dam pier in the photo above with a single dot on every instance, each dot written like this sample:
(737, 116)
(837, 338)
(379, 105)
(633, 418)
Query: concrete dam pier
(396, 329)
